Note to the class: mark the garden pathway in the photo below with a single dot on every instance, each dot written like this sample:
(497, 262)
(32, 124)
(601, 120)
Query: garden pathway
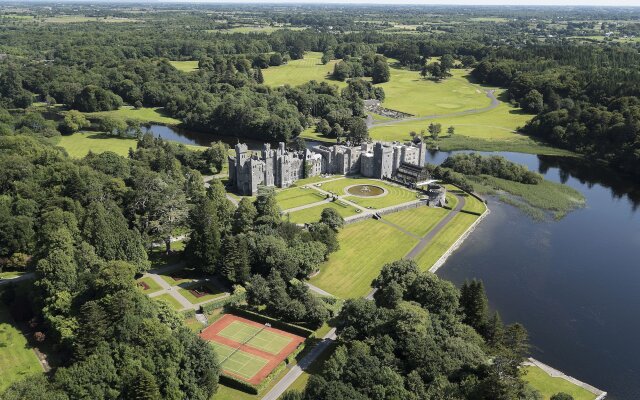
(296, 371)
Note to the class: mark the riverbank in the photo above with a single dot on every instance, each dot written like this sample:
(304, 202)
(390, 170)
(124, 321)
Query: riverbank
(549, 381)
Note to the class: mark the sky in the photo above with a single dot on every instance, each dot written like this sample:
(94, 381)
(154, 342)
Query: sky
(612, 3)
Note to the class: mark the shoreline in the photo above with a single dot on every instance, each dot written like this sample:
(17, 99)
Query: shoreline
(600, 394)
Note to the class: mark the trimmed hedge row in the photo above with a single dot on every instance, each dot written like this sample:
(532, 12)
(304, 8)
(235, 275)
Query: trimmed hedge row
(295, 329)
(232, 299)
(236, 383)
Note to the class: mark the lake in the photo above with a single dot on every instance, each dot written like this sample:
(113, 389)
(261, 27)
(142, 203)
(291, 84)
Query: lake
(184, 136)
(573, 283)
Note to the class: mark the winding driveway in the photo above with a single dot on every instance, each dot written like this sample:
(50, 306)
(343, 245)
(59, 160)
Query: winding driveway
(490, 94)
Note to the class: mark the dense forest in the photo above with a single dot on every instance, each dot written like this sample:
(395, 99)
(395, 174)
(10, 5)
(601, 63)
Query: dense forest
(584, 93)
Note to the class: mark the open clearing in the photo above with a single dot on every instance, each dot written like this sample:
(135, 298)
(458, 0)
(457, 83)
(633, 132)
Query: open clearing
(364, 248)
(249, 350)
(444, 240)
(185, 66)
(298, 72)
(17, 358)
(143, 115)
(79, 144)
(548, 385)
(312, 214)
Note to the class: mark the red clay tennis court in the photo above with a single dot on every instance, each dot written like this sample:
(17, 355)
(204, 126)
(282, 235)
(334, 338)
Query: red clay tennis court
(249, 350)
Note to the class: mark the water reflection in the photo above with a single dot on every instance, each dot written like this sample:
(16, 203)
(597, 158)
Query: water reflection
(573, 283)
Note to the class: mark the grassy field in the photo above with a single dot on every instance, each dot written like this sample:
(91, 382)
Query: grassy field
(408, 92)
(419, 220)
(548, 385)
(10, 274)
(185, 66)
(167, 298)
(395, 194)
(517, 143)
(298, 196)
(471, 203)
(546, 196)
(297, 72)
(153, 286)
(143, 115)
(312, 214)
(17, 359)
(364, 248)
(444, 239)
(79, 144)
(70, 19)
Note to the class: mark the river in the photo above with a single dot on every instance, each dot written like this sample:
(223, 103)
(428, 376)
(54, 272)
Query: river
(574, 283)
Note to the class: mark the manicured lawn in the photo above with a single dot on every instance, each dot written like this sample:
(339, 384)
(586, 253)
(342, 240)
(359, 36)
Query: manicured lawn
(79, 144)
(472, 204)
(185, 66)
(298, 196)
(180, 277)
(312, 214)
(17, 358)
(364, 248)
(419, 220)
(444, 239)
(408, 92)
(395, 194)
(548, 385)
(209, 291)
(315, 368)
(148, 285)
(297, 72)
(167, 298)
(378, 117)
(143, 115)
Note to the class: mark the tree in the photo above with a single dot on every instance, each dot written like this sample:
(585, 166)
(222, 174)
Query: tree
(73, 121)
(447, 62)
(358, 132)
(435, 129)
(323, 127)
(561, 396)
(275, 59)
(380, 73)
(144, 387)
(325, 234)
(533, 102)
(203, 248)
(113, 126)
(244, 216)
(267, 207)
(330, 217)
(258, 76)
(216, 155)
(236, 266)
(451, 130)
(93, 98)
(474, 305)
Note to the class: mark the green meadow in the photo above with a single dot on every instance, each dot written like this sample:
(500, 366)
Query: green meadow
(80, 144)
(298, 72)
(17, 358)
(142, 115)
(185, 66)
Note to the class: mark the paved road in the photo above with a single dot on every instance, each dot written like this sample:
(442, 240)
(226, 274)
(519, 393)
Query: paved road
(295, 371)
(429, 236)
(490, 94)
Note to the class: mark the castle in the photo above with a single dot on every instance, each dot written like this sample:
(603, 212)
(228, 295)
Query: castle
(281, 168)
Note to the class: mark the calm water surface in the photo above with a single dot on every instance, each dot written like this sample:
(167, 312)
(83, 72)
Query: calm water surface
(574, 283)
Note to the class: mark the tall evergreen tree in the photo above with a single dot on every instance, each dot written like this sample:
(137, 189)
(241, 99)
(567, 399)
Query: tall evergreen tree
(203, 248)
